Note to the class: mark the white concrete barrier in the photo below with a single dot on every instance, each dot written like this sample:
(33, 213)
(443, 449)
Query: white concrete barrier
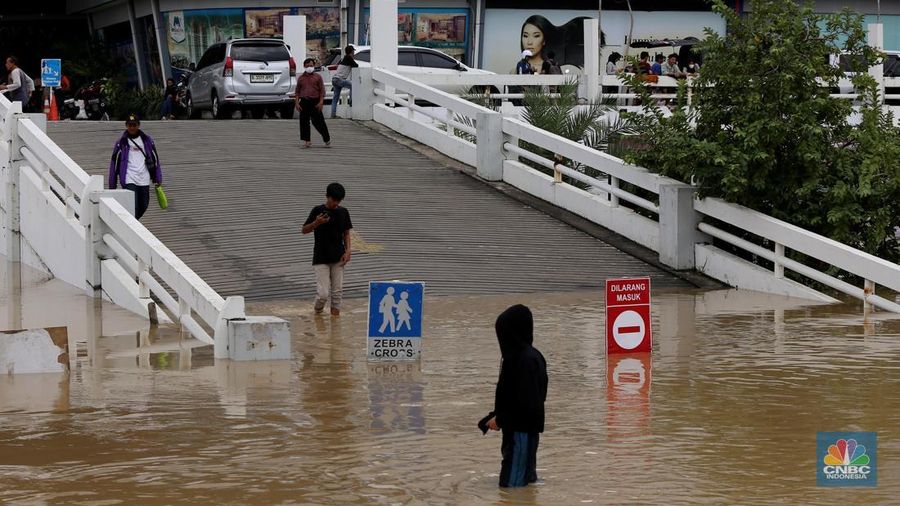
(58, 219)
(34, 351)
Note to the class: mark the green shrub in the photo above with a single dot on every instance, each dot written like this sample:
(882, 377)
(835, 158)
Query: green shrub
(763, 132)
(122, 101)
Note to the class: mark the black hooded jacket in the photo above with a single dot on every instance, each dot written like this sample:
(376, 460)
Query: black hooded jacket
(522, 387)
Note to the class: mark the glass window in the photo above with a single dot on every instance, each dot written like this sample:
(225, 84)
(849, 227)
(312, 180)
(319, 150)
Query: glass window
(204, 60)
(218, 55)
(259, 52)
(407, 58)
(437, 61)
(362, 56)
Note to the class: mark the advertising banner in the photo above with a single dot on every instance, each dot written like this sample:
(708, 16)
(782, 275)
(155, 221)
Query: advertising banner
(507, 32)
(191, 32)
(446, 30)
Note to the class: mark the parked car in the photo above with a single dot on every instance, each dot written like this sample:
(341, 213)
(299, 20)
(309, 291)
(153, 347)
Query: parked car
(256, 74)
(411, 61)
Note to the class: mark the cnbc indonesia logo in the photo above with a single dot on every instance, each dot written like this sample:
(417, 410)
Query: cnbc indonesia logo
(847, 462)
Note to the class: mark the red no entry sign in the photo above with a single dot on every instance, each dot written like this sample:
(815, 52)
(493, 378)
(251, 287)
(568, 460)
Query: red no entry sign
(628, 315)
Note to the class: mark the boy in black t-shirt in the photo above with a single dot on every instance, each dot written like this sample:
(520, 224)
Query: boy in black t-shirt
(331, 252)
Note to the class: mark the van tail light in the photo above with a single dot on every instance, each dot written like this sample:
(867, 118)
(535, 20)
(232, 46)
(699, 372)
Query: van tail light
(229, 67)
(332, 67)
(293, 66)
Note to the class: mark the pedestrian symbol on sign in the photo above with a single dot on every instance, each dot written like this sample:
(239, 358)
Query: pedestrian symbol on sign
(395, 320)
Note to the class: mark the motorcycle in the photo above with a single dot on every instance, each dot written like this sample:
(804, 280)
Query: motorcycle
(95, 106)
(181, 95)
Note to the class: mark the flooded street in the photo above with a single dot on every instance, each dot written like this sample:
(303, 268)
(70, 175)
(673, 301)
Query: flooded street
(726, 411)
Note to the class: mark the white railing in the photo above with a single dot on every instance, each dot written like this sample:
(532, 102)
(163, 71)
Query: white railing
(509, 87)
(659, 219)
(600, 172)
(84, 235)
(786, 237)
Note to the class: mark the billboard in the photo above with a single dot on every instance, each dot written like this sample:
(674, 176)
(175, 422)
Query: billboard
(446, 30)
(508, 31)
(265, 22)
(191, 32)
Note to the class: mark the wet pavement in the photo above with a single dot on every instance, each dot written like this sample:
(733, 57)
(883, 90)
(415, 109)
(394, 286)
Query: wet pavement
(725, 411)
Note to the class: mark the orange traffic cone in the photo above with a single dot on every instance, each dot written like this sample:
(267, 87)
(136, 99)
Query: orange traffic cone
(54, 112)
(47, 106)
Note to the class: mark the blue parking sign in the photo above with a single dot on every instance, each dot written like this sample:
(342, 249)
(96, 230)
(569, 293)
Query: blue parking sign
(51, 72)
(395, 320)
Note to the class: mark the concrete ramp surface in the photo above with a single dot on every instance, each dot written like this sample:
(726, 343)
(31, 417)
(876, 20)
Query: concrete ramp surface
(240, 190)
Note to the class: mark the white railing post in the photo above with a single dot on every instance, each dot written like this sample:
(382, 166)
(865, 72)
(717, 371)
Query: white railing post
(868, 291)
(779, 256)
(876, 40)
(489, 142)
(591, 80)
(232, 310)
(11, 165)
(678, 225)
(613, 198)
(89, 218)
(449, 122)
(383, 38)
(557, 174)
(363, 95)
(143, 289)
(70, 211)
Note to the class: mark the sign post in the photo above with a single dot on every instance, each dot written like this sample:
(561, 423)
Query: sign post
(51, 72)
(395, 320)
(628, 316)
(51, 77)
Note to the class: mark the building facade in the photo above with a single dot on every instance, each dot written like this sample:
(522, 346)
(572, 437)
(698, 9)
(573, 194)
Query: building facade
(154, 36)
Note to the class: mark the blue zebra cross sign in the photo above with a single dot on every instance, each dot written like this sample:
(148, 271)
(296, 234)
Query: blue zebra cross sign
(395, 320)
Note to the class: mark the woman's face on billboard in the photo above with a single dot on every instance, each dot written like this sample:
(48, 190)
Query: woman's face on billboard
(532, 39)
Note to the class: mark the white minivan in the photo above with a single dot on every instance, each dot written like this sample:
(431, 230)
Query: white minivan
(257, 74)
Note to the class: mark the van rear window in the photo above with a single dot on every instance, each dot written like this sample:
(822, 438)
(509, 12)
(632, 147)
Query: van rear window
(259, 52)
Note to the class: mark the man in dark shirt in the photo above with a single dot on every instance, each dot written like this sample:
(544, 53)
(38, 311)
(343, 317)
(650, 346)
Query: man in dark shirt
(331, 224)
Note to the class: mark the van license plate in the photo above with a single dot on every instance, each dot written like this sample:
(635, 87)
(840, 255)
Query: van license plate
(262, 78)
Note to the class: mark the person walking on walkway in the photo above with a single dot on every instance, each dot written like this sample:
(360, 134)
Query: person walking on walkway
(331, 251)
(341, 77)
(309, 97)
(135, 164)
(18, 84)
(519, 398)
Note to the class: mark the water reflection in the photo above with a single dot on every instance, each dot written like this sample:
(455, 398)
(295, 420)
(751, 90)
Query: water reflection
(396, 397)
(725, 410)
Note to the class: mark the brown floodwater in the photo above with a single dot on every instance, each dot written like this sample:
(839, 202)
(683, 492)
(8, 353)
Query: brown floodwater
(725, 410)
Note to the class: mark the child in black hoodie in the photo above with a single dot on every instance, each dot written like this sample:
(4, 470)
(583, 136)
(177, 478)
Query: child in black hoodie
(520, 396)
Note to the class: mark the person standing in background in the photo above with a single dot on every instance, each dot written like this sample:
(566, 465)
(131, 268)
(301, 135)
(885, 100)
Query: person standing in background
(18, 84)
(341, 77)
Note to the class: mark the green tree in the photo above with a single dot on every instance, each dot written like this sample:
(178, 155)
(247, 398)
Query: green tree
(762, 130)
